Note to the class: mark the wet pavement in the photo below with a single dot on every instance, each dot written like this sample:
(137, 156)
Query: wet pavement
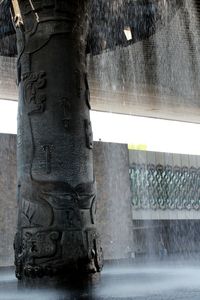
(165, 281)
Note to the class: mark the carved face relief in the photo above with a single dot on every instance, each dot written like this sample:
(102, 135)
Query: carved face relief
(33, 97)
(40, 244)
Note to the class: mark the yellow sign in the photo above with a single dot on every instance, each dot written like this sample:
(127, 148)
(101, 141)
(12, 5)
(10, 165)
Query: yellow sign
(141, 147)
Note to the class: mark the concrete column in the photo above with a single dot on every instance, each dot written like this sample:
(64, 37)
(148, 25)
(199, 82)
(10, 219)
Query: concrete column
(56, 190)
(114, 214)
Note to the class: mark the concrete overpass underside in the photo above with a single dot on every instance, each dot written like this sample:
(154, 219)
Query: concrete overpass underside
(157, 77)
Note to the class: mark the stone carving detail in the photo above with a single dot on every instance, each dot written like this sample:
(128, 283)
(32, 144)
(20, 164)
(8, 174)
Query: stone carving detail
(93, 210)
(66, 210)
(47, 149)
(165, 187)
(65, 104)
(89, 134)
(36, 213)
(18, 256)
(33, 97)
(98, 254)
(56, 223)
(33, 247)
(40, 244)
(28, 211)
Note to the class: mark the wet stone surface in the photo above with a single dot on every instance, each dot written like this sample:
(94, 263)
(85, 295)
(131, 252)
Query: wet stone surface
(165, 281)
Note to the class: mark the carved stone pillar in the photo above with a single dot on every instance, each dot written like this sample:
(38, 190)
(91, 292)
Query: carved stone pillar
(56, 189)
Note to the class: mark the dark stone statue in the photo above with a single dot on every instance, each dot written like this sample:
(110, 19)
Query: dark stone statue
(56, 187)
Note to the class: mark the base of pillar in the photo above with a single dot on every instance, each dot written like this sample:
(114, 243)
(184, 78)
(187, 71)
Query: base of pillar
(81, 267)
(73, 281)
(46, 258)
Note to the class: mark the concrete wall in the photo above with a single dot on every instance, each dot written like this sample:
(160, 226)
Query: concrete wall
(8, 203)
(114, 213)
(172, 159)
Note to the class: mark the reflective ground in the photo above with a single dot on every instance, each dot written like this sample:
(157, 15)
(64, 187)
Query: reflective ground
(165, 281)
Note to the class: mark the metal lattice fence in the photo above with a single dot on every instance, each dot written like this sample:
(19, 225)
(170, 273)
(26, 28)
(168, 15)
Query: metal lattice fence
(165, 187)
